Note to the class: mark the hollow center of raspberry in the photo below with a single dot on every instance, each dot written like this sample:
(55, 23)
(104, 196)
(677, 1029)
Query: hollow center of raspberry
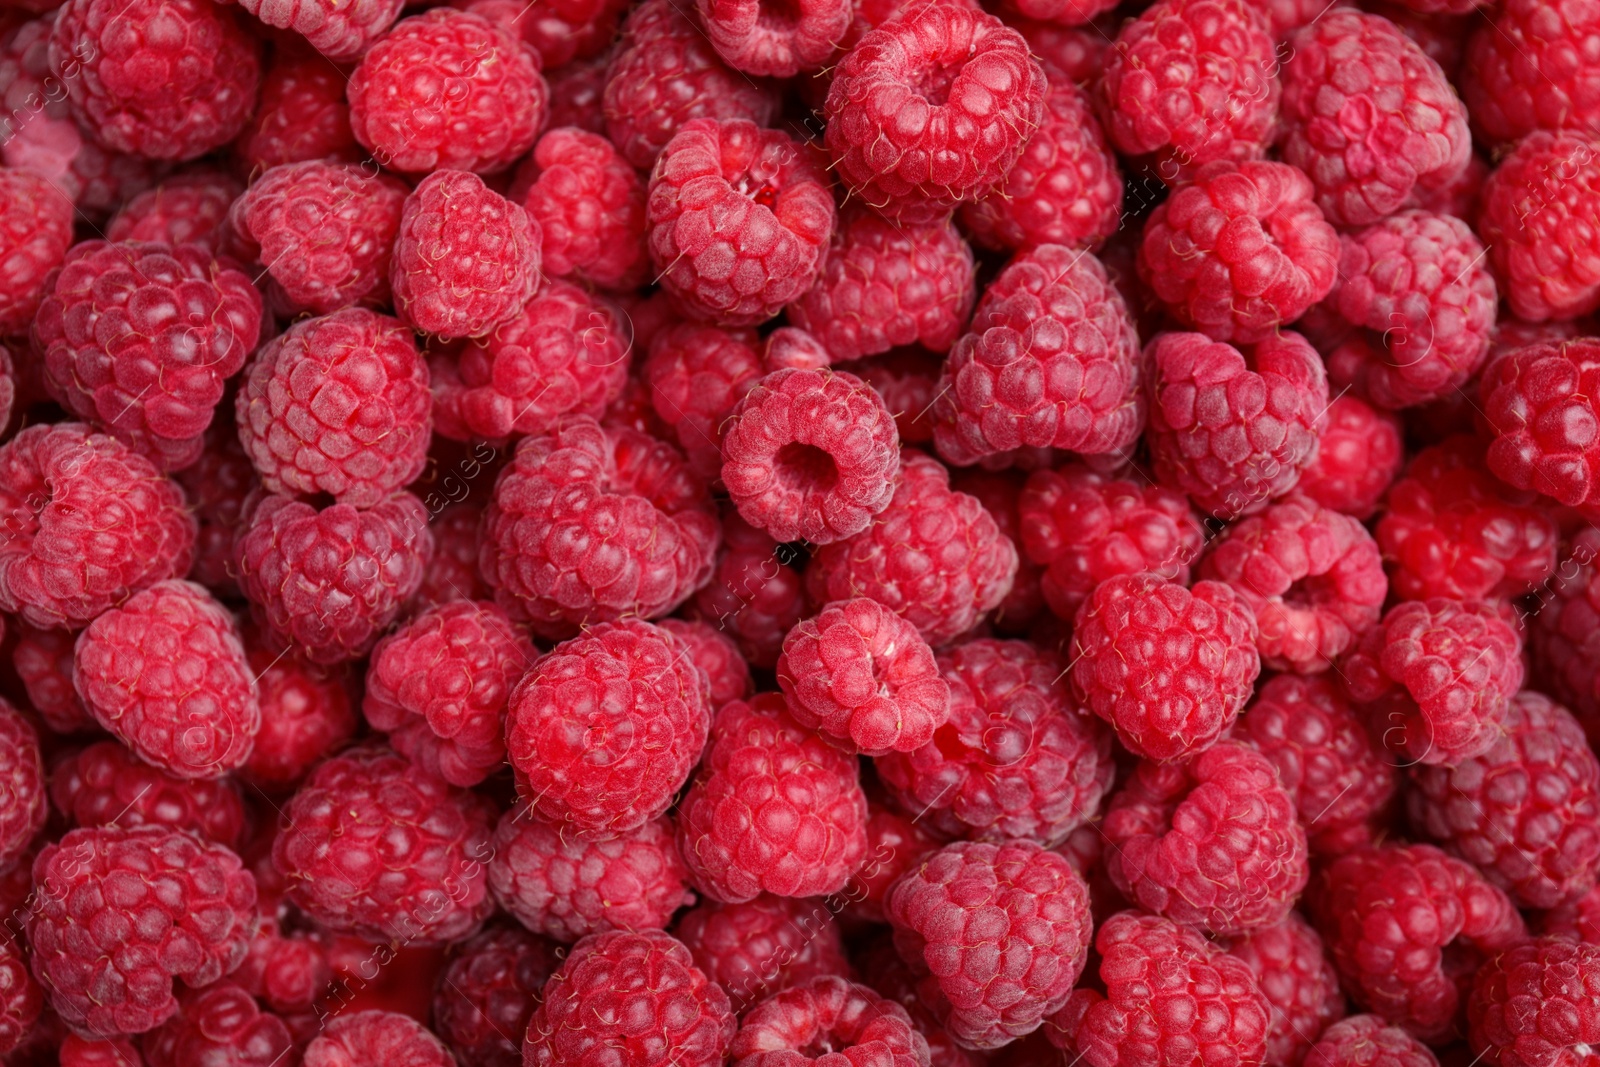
(934, 82)
(780, 14)
(821, 1045)
(806, 468)
(758, 189)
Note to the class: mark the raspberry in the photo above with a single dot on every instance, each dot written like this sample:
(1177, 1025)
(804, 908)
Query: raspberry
(88, 523)
(762, 946)
(850, 1020)
(453, 574)
(790, 346)
(1168, 992)
(23, 804)
(164, 79)
(931, 110)
(324, 232)
(1239, 251)
(885, 284)
(1541, 223)
(576, 90)
(715, 653)
(106, 785)
(1529, 67)
(810, 455)
(1405, 925)
(1579, 921)
(933, 556)
(1067, 53)
(1085, 527)
(1234, 430)
(1368, 117)
(777, 44)
(996, 934)
(666, 74)
(340, 32)
(1189, 82)
(1299, 982)
(43, 662)
(1016, 759)
(1065, 189)
(411, 852)
(1563, 628)
(600, 761)
(1367, 1041)
(1537, 403)
(589, 205)
(1168, 667)
(908, 381)
(21, 1001)
(697, 374)
(219, 1026)
(370, 1037)
(755, 594)
(132, 910)
(139, 338)
(1052, 362)
(84, 1052)
(286, 971)
(1534, 1006)
(302, 114)
(590, 524)
(1439, 674)
(306, 714)
(488, 992)
(883, 970)
(1359, 452)
(189, 208)
(332, 581)
(218, 486)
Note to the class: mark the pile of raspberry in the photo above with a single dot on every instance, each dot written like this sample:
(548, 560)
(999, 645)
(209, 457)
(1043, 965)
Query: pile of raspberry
(799, 533)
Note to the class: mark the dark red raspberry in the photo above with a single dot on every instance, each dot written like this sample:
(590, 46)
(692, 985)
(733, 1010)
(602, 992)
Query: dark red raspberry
(332, 581)
(736, 844)
(288, 970)
(714, 652)
(1189, 82)
(665, 74)
(908, 381)
(896, 843)
(453, 574)
(172, 79)
(1563, 628)
(1239, 251)
(1406, 925)
(996, 934)
(134, 909)
(576, 90)
(1067, 53)
(339, 31)
(448, 89)
(139, 338)
(487, 995)
(219, 1026)
(87, 1052)
(1166, 988)
(1368, 117)
(790, 346)
(1535, 1005)
(1368, 1041)
(106, 785)
(1052, 361)
(777, 44)
(23, 805)
(188, 208)
(1016, 760)
(1578, 921)
(589, 204)
(306, 714)
(21, 1000)
(934, 556)
(932, 109)
(864, 678)
(883, 969)
(1530, 67)
(378, 847)
(1065, 189)
(219, 486)
(810, 455)
(1313, 577)
(697, 375)
(1299, 982)
(1541, 223)
(302, 114)
(323, 232)
(43, 662)
(1537, 402)
(885, 284)
(359, 1038)
(597, 761)
(755, 594)
(590, 524)
(847, 1019)
(762, 946)
(1168, 667)
(1359, 452)
(1438, 674)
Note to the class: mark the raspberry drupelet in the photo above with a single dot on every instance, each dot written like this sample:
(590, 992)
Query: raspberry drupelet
(589, 204)
(23, 800)
(220, 1025)
(35, 232)
(1538, 403)
(762, 41)
(755, 595)
(487, 993)
(763, 946)
(306, 714)
(302, 114)
(340, 32)
(1529, 67)
(833, 1013)
(188, 208)
(697, 374)
(106, 784)
(1296, 976)
(1359, 453)
(1368, 1041)
(353, 1039)
(1535, 1005)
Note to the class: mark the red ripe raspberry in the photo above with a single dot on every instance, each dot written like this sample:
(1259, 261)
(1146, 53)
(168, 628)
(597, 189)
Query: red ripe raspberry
(371, 1037)
(488, 992)
(908, 381)
(1052, 361)
(306, 714)
(302, 114)
(21, 1000)
(932, 109)
(43, 662)
(1166, 987)
(885, 284)
(1067, 53)
(439, 687)
(1530, 67)
(576, 90)
(172, 79)
(323, 231)
(376, 846)
(763, 946)
(219, 1026)
(810, 455)
(85, 1052)
(1578, 921)
(718, 655)
(1085, 527)
(453, 574)
(896, 843)
(332, 581)
(1535, 1005)
(1537, 401)
(755, 594)
(598, 762)
(133, 909)
(996, 934)
(1231, 429)
(140, 338)
(565, 887)
(1368, 117)
(1563, 628)
(1406, 925)
(590, 524)
(1239, 251)
(1367, 1041)
(765, 43)
(1299, 982)
(1359, 452)
(697, 375)
(1527, 812)
(589, 204)
(23, 804)
(219, 486)
(1189, 82)
(1439, 673)
(864, 678)
(106, 785)
(850, 1020)
(1541, 223)
(736, 844)
(1065, 189)
(1168, 667)
(339, 31)
(665, 74)
(934, 556)
(790, 346)
(1016, 759)
(883, 970)
(189, 208)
